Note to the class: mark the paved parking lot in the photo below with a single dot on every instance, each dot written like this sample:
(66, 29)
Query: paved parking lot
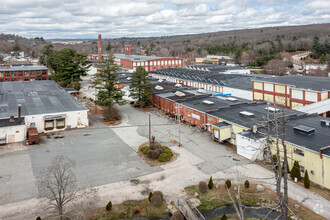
(101, 158)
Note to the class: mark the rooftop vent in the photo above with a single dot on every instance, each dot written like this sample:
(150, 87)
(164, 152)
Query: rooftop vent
(179, 93)
(272, 109)
(128, 78)
(160, 80)
(247, 114)
(208, 102)
(178, 85)
(11, 119)
(304, 130)
(231, 99)
(325, 122)
(159, 87)
(201, 91)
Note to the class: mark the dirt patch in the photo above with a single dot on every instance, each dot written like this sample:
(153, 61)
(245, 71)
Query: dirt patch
(89, 103)
(146, 109)
(110, 123)
(152, 162)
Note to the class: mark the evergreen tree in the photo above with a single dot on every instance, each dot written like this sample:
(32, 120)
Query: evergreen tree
(68, 65)
(140, 87)
(45, 54)
(108, 48)
(323, 58)
(210, 185)
(106, 84)
(307, 182)
(295, 172)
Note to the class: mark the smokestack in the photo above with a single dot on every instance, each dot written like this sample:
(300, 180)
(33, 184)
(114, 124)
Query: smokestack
(19, 113)
(128, 50)
(99, 49)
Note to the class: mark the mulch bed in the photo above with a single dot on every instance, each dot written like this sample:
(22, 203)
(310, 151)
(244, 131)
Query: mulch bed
(146, 109)
(110, 123)
(152, 162)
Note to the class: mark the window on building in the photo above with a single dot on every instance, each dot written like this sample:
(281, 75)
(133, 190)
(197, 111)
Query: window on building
(44, 72)
(13, 74)
(1, 74)
(302, 169)
(49, 125)
(210, 119)
(146, 63)
(26, 73)
(60, 123)
(299, 152)
(158, 63)
(20, 73)
(38, 72)
(151, 63)
(179, 61)
(165, 62)
(173, 62)
(162, 62)
(32, 73)
(134, 63)
(7, 74)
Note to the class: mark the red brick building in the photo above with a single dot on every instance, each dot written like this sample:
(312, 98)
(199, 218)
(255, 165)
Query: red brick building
(23, 73)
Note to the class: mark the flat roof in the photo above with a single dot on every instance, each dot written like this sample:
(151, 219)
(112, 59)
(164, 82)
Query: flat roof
(22, 68)
(36, 97)
(301, 82)
(139, 58)
(5, 122)
(239, 81)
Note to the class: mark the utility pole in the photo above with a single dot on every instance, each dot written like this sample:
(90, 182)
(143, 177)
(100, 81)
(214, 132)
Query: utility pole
(179, 118)
(149, 128)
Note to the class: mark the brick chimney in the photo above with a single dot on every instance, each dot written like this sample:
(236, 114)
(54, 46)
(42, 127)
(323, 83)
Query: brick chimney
(99, 49)
(19, 112)
(128, 49)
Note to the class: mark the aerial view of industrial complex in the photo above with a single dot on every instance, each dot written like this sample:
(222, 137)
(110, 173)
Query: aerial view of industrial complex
(164, 110)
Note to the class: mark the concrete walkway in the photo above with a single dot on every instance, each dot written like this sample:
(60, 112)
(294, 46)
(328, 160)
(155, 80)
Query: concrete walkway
(197, 160)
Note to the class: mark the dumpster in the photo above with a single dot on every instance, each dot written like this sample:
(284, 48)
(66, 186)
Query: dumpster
(33, 136)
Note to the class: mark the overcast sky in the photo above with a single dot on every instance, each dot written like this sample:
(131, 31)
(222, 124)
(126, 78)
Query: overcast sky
(137, 18)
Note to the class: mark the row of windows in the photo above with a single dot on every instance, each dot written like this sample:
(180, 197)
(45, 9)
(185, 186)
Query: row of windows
(22, 73)
(155, 63)
(22, 79)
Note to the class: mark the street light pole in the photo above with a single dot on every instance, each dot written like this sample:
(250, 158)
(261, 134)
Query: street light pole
(149, 128)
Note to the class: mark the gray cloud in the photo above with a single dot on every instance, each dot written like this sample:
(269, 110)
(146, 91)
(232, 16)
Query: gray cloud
(131, 18)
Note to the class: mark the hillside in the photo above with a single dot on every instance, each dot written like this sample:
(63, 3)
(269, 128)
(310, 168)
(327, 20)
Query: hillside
(246, 45)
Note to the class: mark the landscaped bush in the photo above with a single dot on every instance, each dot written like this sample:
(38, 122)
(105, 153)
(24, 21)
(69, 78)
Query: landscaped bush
(210, 185)
(166, 155)
(153, 154)
(177, 216)
(149, 197)
(111, 113)
(131, 102)
(109, 206)
(202, 187)
(144, 149)
(307, 182)
(228, 183)
(157, 198)
(247, 184)
(224, 217)
(295, 172)
(38, 218)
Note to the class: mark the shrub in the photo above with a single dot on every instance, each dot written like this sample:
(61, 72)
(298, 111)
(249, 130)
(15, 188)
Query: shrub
(131, 102)
(202, 187)
(177, 216)
(157, 198)
(109, 206)
(247, 184)
(295, 172)
(224, 217)
(38, 218)
(228, 183)
(111, 113)
(144, 149)
(153, 154)
(210, 185)
(166, 155)
(307, 182)
(149, 197)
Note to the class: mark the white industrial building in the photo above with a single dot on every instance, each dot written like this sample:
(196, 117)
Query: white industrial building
(44, 105)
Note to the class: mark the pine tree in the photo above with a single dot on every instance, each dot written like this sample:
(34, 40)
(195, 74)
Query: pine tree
(210, 185)
(307, 182)
(295, 172)
(140, 87)
(106, 84)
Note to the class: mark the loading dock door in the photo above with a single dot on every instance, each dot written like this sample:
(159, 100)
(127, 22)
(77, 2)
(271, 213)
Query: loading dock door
(216, 134)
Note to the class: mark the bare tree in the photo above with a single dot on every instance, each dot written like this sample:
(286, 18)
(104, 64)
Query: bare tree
(58, 183)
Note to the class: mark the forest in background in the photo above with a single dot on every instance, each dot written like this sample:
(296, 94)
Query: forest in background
(250, 46)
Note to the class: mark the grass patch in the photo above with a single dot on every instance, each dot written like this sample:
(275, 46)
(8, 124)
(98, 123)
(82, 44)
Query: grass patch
(215, 198)
(127, 209)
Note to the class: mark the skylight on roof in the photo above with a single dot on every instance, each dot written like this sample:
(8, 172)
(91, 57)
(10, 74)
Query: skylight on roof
(208, 102)
(201, 91)
(246, 113)
(231, 99)
(159, 87)
(160, 80)
(272, 109)
(179, 93)
(128, 78)
(178, 85)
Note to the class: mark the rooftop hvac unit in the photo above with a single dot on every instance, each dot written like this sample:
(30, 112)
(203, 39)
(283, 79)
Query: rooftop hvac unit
(201, 91)
(272, 109)
(304, 130)
(178, 85)
(159, 87)
(160, 80)
(208, 102)
(231, 99)
(179, 93)
(325, 122)
(247, 114)
(129, 78)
